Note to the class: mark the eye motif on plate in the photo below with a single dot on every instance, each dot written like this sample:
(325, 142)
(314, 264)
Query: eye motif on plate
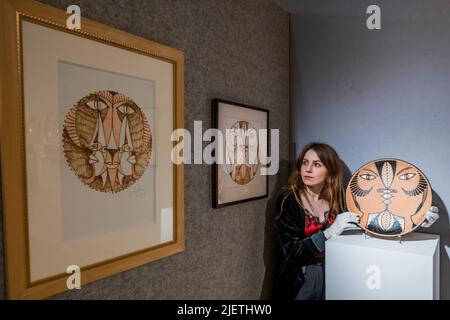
(107, 141)
(391, 197)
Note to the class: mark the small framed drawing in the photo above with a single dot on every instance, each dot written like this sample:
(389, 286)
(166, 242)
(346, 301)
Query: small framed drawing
(87, 178)
(237, 175)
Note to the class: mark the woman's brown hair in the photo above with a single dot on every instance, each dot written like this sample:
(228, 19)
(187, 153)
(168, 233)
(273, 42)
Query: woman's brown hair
(332, 191)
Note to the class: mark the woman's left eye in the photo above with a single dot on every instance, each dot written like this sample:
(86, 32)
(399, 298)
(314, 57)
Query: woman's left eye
(317, 164)
(406, 176)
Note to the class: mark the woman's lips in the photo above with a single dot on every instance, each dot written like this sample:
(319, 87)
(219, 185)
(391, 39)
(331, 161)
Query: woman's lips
(307, 177)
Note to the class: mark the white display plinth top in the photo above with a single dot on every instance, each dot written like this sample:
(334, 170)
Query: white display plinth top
(361, 267)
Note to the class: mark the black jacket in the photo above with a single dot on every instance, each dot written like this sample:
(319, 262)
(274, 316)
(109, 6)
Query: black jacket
(296, 249)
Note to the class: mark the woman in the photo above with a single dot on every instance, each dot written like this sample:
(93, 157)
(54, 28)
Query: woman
(309, 215)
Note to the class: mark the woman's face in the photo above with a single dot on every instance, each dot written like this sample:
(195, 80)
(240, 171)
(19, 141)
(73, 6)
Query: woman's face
(313, 172)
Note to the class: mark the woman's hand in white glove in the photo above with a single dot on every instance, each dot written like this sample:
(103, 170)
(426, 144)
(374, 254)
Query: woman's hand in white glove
(432, 216)
(343, 221)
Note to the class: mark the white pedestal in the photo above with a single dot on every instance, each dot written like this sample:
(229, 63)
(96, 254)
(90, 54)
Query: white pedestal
(358, 267)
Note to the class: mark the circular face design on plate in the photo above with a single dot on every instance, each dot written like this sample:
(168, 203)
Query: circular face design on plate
(107, 141)
(244, 151)
(391, 197)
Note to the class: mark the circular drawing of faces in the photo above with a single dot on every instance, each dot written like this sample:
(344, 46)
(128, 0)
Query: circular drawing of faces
(242, 152)
(107, 141)
(391, 197)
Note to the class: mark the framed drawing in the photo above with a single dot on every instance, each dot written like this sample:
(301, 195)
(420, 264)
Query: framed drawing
(237, 178)
(391, 196)
(86, 123)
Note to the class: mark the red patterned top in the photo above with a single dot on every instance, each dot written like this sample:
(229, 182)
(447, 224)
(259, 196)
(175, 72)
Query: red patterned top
(312, 225)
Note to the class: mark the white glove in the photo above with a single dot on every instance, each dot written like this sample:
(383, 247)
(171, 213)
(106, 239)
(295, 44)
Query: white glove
(342, 222)
(432, 216)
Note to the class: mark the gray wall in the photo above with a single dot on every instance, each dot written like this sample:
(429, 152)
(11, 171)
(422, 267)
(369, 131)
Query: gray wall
(373, 94)
(235, 50)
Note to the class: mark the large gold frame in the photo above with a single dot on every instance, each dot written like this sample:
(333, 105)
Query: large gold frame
(13, 151)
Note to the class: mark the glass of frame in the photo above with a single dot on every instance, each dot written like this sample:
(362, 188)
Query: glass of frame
(86, 123)
(237, 178)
